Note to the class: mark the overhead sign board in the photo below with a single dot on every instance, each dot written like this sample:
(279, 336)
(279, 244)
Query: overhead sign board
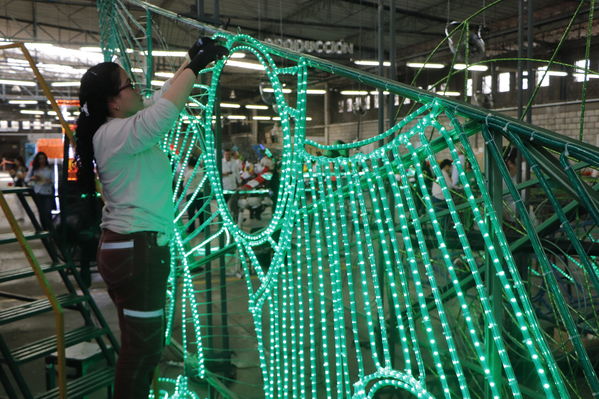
(329, 47)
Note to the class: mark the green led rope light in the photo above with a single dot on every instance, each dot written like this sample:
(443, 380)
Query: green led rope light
(343, 191)
(369, 245)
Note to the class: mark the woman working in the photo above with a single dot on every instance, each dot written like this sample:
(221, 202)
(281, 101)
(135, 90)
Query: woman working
(121, 134)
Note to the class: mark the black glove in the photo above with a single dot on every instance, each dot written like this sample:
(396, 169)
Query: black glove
(205, 56)
(202, 41)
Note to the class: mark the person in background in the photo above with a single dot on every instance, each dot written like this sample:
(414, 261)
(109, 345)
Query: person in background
(264, 170)
(246, 172)
(230, 172)
(41, 178)
(5, 164)
(19, 173)
(119, 134)
(238, 162)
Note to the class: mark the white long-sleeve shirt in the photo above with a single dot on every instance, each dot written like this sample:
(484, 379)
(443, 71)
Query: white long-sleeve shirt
(436, 188)
(44, 185)
(230, 173)
(135, 173)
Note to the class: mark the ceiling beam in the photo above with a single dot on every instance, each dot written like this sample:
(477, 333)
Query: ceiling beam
(403, 11)
(328, 26)
(90, 3)
(42, 24)
(415, 51)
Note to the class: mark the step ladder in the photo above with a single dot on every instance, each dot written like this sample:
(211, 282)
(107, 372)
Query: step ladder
(77, 299)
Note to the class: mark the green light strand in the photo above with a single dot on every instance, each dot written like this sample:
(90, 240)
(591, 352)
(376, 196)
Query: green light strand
(350, 216)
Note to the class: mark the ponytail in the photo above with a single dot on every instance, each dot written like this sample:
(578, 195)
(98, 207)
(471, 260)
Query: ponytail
(98, 85)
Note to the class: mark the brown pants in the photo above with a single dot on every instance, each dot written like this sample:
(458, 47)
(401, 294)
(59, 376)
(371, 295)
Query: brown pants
(135, 270)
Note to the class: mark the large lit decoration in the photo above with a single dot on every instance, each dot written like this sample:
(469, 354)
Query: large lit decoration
(373, 283)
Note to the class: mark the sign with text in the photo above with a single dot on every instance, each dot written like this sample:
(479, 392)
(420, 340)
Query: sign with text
(329, 47)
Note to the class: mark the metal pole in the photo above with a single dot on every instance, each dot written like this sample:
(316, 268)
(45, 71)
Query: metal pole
(529, 54)
(254, 126)
(520, 69)
(495, 186)
(216, 14)
(223, 297)
(393, 67)
(327, 114)
(200, 8)
(520, 85)
(381, 71)
(531, 84)
(34, 18)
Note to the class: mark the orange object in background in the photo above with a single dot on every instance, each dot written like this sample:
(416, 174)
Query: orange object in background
(69, 102)
(72, 171)
(52, 147)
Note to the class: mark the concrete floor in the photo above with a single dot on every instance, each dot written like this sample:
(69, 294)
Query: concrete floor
(245, 379)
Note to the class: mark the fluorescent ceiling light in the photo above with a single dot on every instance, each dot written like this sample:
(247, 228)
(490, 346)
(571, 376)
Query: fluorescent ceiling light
(276, 118)
(64, 53)
(589, 76)
(354, 92)
(165, 74)
(31, 112)
(261, 118)
(22, 102)
(271, 90)
(167, 53)
(19, 61)
(236, 117)
(543, 71)
(316, 91)
(229, 105)
(137, 70)
(371, 63)
(255, 106)
(308, 118)
(158, 82)
(52, 113)
(62, 70)
(556, 73)
(193, 105)
(246, 65)
(54, 67)
(428, 65)
(375, 92)
(17, 82)
(65, 84)
(238, 55)
(450, 93)
(481, 68)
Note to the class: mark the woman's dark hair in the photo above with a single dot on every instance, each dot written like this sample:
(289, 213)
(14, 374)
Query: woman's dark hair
(35, 164)
(98, 85)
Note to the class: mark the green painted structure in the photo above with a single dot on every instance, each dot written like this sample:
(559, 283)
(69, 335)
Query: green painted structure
(372, 284)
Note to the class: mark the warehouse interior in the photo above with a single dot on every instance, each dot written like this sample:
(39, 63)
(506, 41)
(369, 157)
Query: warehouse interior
(347, 261)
